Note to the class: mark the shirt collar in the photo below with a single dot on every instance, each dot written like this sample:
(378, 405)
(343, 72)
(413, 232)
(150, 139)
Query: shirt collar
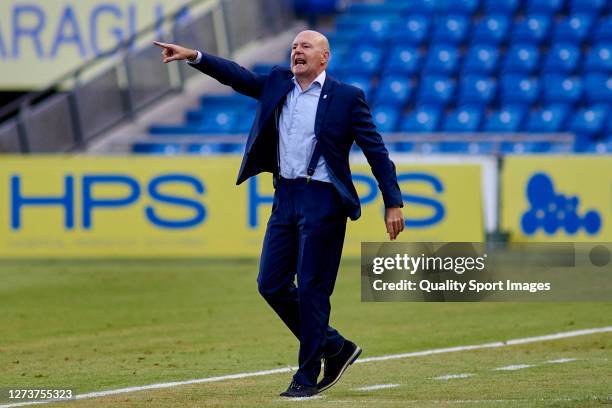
(320, 79)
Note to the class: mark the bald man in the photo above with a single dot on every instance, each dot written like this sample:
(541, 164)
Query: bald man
(305, 125)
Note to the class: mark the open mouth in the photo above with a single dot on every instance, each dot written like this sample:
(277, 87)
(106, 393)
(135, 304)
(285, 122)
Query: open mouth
(299, 62)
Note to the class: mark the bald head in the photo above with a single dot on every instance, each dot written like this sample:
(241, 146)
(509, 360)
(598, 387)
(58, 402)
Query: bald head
(315, 37)
(309, 55)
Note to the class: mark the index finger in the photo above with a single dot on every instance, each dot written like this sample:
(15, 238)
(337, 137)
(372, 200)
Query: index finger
(161, 44)
(391, 230)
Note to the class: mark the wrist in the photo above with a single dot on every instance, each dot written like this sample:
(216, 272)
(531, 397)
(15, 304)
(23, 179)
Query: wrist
(192, 56)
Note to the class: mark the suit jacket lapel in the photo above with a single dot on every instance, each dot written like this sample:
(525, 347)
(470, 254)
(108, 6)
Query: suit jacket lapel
(277, 98)
(324, 102)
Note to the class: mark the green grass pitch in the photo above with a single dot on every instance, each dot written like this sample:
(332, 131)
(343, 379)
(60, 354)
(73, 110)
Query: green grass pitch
(99, 325)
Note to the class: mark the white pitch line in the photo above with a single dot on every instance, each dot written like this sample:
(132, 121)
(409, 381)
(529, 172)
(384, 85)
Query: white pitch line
(526, 340)
(513, 342)
(513, 367)
(453, 376)
(376, 387)
(561, 360)
(301, 399)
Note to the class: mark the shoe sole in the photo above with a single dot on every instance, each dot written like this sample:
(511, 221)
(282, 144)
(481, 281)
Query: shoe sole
(350, 361)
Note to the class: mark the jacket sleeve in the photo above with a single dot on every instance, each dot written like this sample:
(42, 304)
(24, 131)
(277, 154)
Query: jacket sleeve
(372, 145)
(230, 73)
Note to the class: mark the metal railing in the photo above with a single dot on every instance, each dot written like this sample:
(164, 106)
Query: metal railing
(420, 142)
(119, 83)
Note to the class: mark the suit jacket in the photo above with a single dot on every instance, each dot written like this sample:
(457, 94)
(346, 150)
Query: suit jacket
(342, 117)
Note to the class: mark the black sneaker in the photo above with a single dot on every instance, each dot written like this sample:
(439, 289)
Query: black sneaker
(335, 366)
(296, 390)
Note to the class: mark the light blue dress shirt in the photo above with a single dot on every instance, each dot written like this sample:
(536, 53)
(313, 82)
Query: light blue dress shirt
(296, 130)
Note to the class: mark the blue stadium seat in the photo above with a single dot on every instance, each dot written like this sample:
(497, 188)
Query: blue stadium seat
(599, 58)
(217, 114)
(173, 130)
(481, 59)
(362, 82)
(442, 59)
(378, 29)
(592, 7)
(524, 147)
(231, 101)
(219, 122)
(366, 59)
(369, 9)
(573, 28)
(341, 40)
(608, 125)
(425, 7)
(457, 147)
(347, 22)
(413, 29)
(234, 148)
(482, 148)
(599, 88)
(465, 118)
(394, 89)
(533, 29)
(562, 58)
(423, 118)
(561, 148)
(589, 122)
(544, 6)
(215, 148)
(603, 146)
(337, 65)
(506, 7)
(477, 89)
(450, 29)
(436, 90)
(548, 119)
(403, 59)
(491, 29)
(506, 119)
(403, 147)
(509, 148)
(521, 58)
(461, 7)
(156, 148)
(386, 117)
(562, 89)
(519, 89)
(603, 30)
(429, 148)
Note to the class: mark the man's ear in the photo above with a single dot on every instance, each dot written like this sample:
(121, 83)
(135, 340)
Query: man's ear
(326, 57)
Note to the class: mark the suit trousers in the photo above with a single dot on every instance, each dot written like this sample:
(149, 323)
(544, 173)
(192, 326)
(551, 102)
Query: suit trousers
(304, 238)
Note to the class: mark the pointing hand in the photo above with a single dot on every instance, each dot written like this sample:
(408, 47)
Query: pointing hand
(173, 52)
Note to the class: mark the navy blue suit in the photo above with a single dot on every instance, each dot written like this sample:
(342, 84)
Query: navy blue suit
(305, 232)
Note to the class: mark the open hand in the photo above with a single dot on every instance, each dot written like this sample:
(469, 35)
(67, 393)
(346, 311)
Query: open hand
(394, 220)
(173, 52)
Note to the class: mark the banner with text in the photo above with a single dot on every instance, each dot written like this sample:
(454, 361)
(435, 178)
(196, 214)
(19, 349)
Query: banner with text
(190, 206)
(42, 40)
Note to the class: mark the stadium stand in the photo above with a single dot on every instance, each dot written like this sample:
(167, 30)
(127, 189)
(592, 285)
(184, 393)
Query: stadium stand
(492, 66)
(502, 67)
